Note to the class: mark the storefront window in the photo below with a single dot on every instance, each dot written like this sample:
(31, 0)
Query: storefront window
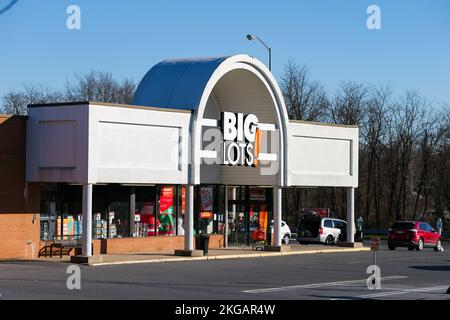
(144, 216)
(68, 225)
(119, 212)
(158, 211)
(100, 212)
(211, 210)
(48, 211)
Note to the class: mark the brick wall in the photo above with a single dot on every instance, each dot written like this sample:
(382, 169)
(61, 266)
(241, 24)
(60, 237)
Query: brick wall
(148, 244)
(19, 209)
(216, 241)
(142, 245)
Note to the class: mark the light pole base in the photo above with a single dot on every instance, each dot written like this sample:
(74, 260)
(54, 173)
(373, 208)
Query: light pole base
(189, 253)
(87, 259)
(277, 248)
(350, 244)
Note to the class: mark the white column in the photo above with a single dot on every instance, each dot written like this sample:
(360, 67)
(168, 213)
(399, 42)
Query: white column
(87, 220)
(351, 215)
(233, 197)
(277, 215)
(225, 229)
(189, 219)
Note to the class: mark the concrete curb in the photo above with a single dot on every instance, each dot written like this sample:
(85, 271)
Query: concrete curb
(231, 256)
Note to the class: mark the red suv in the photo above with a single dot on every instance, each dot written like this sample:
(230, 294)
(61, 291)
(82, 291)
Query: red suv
(413, 235)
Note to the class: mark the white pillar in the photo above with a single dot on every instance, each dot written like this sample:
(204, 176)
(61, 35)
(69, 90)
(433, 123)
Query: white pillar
(233, 209)
(277, 202)
(225, 219)
(87, 220)
(189, 219)
(351, 215)
(233, 197)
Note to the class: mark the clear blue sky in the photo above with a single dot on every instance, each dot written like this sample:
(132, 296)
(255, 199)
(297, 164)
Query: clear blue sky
(411, 51)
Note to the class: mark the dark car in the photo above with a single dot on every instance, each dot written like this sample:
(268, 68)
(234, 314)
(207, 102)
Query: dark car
(413, 235)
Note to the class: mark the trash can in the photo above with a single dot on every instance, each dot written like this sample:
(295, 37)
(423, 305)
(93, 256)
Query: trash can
(202, 243)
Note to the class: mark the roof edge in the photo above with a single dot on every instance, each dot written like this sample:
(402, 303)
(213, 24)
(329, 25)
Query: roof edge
(106, 104)
(325, 124)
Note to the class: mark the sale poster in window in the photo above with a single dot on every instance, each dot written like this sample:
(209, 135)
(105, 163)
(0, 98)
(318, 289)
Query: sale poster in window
(258, 219)
(183, 200)
(207, 199)
(166, 209)
(257, 194)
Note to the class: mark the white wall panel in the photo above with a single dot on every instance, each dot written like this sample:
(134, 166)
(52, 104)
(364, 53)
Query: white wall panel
(138, 145)
(57, 140)
(57, 144)
(313, 155)
(323, 155)
(126, 145)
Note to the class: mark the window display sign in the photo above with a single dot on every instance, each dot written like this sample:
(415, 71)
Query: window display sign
(257, 194)
(166, 199)
(206, 215)
(183, 200)
(207, 199)
(263, 220)
(258, 223)
(166, 210)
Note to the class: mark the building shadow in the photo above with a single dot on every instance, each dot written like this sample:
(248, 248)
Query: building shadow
(431, 268)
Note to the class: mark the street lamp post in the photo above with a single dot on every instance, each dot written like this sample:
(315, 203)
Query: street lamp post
(252, 37)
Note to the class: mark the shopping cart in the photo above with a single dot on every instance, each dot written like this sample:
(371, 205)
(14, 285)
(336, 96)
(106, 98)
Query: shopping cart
(259, 239)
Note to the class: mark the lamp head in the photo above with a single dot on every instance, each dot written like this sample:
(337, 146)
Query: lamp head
(251, 37)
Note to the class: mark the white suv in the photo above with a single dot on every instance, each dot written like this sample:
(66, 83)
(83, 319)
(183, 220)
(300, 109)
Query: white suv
(314, 228)
(285, 231)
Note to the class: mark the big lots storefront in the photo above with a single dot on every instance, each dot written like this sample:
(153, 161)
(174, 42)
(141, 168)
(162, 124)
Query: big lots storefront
(205, 147)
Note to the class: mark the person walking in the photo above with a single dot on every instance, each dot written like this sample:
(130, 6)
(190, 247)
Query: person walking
(439, 225)
(359, 229)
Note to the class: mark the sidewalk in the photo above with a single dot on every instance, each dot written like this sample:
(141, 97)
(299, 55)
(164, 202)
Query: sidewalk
(214, 254)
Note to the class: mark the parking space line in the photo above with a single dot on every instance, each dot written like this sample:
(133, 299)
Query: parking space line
(402, 291)
(320, 285)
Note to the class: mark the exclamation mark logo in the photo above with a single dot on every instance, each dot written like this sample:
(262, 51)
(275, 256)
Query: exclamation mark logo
(258, 136)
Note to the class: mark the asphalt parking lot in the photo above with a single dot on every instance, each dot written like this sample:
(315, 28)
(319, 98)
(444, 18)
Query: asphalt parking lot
(404, 275)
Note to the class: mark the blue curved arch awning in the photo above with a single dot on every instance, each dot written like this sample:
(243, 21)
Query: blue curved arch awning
(177, 84)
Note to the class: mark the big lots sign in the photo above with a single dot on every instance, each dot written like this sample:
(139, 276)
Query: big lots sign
(240, 140)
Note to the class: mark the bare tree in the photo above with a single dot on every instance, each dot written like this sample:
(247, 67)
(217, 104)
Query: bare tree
(99, 86)
(305, 99)
(93, 86)
(431, 134)
(373, 136)
(408, 112)
(348, 104)
(441, 165)
(15, 102)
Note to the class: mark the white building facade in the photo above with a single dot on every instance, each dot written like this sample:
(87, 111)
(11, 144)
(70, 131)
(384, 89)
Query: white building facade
(192, 123)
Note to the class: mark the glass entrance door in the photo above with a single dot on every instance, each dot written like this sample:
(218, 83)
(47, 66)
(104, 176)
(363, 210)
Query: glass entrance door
(249, 215)
(238, 224)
